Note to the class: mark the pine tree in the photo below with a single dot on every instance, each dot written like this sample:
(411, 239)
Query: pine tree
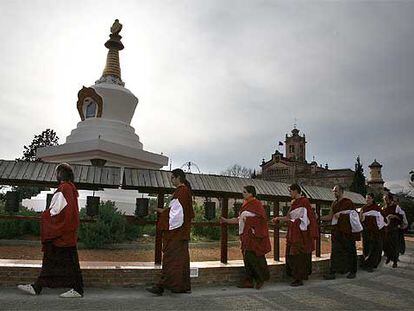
(47, 138)
(358, 182)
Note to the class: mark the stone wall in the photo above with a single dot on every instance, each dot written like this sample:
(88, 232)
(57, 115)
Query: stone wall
(209, 274)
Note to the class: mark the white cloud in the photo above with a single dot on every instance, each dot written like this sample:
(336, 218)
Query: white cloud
(221, 82)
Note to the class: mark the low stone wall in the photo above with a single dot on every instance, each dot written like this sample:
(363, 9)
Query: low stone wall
(109, 275)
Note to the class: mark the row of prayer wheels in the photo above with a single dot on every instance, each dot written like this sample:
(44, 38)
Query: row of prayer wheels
(141, 206)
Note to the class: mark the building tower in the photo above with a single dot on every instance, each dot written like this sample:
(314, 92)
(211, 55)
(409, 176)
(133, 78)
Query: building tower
(375, 182)
(295, 146)
(104, 135)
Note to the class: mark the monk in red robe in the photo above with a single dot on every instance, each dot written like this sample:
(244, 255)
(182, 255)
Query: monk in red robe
(300, 238)
(254, 237)
(346, 229)
(175, 222)
(59, 227)
(393, 220)
(373, 223)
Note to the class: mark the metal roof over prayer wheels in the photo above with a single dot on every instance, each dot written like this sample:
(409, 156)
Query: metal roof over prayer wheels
(156, 181)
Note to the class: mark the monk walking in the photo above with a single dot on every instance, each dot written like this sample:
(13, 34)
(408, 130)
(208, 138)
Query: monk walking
(254, 237)
(59, 226)
(300, 238)
(175, 221)
(346, 229)
(373, 223)
(391, 235)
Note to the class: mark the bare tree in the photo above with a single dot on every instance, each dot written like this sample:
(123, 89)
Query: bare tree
(238, 171)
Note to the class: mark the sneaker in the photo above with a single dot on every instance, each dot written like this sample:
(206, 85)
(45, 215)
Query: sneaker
(330, 276)
(351, 275)
(155, 290)
(394, 265)
(296, 283)
(28, 288)
(71, 294)
(387, 261)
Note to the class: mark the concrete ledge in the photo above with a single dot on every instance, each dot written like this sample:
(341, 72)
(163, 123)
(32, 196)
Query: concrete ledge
(130, 274)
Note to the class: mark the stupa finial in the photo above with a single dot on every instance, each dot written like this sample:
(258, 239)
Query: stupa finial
(112, 71)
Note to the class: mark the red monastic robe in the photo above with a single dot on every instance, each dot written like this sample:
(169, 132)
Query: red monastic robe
(370, 222)
(255, 236)
(344, 225)
(298, 240)
(394, 223)
(183, 194)
(62, 228)
(176, 259)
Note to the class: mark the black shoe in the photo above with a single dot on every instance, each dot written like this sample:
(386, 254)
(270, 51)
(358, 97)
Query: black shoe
(351, 275)
(181, 291)
(296, 283)
(394, 265)
(155, 290)
(387, 261)
(330, 276)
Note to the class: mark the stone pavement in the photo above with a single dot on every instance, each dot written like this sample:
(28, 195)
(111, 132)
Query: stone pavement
(385, 289)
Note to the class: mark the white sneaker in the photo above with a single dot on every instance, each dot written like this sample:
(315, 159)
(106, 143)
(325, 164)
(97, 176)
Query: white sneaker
(27, 289)
(71, 294)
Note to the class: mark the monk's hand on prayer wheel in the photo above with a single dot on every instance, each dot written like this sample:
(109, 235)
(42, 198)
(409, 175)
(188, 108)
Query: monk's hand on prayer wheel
(223, 220)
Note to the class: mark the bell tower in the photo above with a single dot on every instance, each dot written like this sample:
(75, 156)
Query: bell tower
(295, 146)
(375, 181)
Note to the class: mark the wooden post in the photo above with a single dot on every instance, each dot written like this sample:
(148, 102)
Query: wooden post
(158, 232)
(318, 241)
(224, 234)
(276, 244)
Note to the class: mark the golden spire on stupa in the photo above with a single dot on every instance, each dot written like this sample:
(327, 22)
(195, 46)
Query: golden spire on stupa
(112, 71)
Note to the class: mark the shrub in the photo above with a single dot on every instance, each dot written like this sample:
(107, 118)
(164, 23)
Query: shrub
(110, 227)
(13, 228)
(210, 233)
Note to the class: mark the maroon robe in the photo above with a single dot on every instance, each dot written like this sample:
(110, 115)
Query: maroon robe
(371, 238)
(298, 240)
(344, 225)
(370, 222)
(255, 242)
(176, 258)
(343, 251)
(62, 228)
(391, 234)
(300, 244)
(60, 265)
(255, 236)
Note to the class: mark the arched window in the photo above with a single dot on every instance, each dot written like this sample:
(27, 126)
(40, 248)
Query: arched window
(90, 107)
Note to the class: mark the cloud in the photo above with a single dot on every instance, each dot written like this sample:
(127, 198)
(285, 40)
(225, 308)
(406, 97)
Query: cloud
(222, 82)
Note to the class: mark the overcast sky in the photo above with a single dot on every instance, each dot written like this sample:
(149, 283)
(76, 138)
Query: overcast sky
(221, 82)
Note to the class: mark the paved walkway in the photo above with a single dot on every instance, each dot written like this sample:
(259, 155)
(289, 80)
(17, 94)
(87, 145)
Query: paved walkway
(385, 289)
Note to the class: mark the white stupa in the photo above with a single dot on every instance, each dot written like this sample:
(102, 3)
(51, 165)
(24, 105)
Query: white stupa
(104, 135)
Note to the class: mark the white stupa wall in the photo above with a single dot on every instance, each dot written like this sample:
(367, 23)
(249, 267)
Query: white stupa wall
(124, 199)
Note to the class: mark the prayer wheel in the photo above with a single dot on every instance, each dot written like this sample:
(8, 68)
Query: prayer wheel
(49, 200)
(236, 208)
(267, 210)
(92, 206)
(141, 207)
(209, 210)
(12, 202)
